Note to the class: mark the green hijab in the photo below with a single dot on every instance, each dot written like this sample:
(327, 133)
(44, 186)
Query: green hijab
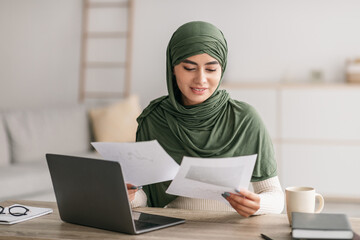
(218, 127)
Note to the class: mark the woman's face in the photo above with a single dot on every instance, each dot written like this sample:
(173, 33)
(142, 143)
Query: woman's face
(197, 78)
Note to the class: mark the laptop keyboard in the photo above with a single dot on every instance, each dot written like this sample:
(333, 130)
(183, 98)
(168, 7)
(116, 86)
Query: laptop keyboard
(144, 225)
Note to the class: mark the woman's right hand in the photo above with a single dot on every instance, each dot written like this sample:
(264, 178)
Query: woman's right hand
(132, 189)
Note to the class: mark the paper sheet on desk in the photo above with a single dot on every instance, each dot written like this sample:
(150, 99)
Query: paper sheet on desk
(142, 163)
(208, 178)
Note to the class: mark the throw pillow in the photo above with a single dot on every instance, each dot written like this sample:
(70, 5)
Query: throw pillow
(116, 122)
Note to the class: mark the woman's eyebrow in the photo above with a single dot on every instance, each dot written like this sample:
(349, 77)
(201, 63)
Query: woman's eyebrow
(190, 62)
(194, 63)
(213, 62)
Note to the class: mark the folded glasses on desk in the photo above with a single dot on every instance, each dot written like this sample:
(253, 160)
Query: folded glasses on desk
(16, 211)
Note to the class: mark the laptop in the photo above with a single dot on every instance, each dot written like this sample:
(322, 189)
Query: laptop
(92, 192)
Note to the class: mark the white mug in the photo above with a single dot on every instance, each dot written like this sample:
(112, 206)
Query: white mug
(302, 199)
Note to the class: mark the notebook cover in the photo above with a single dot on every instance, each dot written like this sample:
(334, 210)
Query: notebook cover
(320, 221)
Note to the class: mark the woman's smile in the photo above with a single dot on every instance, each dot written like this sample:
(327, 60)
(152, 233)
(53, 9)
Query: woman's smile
(199, 91)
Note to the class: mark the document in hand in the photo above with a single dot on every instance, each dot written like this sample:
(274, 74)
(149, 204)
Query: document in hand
(321, 226)
(142, 163)
(33, 212)
(208, 178)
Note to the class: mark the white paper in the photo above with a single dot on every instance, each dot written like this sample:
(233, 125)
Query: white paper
(142, 163)
(33, 212)
(208, 178)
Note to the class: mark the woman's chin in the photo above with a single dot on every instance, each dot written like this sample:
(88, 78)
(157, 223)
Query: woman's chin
(195, 100)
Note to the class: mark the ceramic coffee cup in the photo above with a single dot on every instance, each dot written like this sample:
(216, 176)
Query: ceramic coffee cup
(302, 199)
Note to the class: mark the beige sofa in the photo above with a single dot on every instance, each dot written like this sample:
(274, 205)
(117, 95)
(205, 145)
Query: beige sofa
(27, 135)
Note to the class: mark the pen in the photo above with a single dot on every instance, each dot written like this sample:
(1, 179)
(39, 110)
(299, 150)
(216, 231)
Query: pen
(265, 237)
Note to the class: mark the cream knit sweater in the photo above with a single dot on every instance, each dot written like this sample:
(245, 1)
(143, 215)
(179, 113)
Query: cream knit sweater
(269, 190)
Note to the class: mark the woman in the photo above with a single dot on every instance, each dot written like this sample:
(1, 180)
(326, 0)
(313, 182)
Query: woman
(196, 119)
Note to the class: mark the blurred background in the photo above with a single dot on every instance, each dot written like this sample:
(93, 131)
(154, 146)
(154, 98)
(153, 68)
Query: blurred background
(297, 62)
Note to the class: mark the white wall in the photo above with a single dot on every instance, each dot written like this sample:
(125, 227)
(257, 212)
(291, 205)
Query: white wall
(268, 40)
(39, 52)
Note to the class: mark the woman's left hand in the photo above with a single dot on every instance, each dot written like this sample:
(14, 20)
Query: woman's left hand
(246, 203)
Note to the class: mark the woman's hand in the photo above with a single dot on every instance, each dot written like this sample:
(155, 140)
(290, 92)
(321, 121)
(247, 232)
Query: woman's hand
(132, 189)
(246, 203)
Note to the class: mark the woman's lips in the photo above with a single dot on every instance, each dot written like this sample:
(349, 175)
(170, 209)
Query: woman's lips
(198, 90)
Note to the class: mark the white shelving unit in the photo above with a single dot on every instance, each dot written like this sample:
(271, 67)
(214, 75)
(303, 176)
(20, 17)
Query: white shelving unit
(315, 130)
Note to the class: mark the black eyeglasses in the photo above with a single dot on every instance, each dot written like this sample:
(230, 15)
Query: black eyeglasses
(16, 211)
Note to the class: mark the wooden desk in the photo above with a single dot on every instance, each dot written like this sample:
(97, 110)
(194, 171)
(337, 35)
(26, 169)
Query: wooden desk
(199, 225)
